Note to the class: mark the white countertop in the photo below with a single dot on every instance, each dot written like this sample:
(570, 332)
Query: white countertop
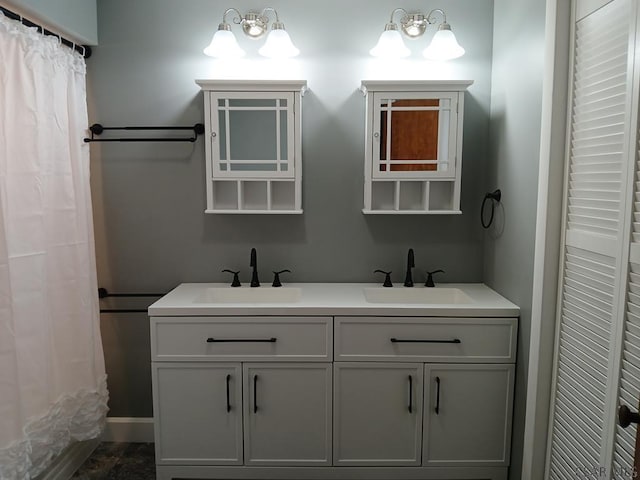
(332, 299)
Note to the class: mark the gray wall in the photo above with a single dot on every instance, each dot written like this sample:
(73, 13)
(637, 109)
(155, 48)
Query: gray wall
(76, 18)
(516, 106)
(149, 198)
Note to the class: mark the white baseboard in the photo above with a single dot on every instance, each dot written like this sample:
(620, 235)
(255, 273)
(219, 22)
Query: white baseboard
(128, 429)
(71, 458)
(118, 429)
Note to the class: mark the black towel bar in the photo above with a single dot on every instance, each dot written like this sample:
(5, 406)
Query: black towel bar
(97, 129)
(104, 293)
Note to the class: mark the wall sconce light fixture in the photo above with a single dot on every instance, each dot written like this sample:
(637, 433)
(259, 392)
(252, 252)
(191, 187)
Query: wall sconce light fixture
(277, 45)
(443, 46)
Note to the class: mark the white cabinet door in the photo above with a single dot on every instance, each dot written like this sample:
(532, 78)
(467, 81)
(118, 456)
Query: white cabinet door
(198, 413)
(467, 418)
(287, 413)
(378, 413)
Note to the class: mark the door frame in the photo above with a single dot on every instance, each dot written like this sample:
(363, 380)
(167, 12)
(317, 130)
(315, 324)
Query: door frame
(555, 91)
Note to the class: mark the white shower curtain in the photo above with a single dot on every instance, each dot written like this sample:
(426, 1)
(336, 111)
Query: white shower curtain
(52, 377)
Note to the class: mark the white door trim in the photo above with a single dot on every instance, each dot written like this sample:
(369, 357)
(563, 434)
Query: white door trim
(548, 237)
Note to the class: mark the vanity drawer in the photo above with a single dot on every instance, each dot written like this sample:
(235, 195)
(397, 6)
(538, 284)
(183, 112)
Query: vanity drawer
(242, 338)
(404, 339)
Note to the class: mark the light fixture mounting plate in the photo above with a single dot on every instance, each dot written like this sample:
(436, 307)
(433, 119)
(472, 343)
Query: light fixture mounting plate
(414, 24)
(254, 25)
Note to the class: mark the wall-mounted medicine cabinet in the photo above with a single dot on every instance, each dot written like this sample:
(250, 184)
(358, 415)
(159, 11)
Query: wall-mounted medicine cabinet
(253, 145)
(413, 146)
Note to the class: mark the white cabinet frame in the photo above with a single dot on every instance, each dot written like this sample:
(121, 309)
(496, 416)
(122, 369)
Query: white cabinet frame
(248, 185)
(420, 191)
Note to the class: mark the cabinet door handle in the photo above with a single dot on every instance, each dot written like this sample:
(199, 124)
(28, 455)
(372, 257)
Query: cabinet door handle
(437, 395)
(238, 340)
(416, 340)
(228, 403)
(410, 394)
(255, 394)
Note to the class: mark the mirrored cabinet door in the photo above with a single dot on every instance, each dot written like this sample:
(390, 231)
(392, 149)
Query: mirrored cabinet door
(250, 134)
(413, 146)
(253, 148)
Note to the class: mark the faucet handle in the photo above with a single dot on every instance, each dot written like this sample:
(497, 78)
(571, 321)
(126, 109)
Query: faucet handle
(387, 278)
(429, 282)
(276, 278)
(236, 280)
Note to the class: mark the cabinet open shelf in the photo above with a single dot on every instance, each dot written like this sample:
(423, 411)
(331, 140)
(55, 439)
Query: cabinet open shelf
(254, 196)
(412, 197)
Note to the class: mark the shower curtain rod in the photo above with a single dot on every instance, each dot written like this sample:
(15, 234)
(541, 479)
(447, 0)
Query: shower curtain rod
(84, 50)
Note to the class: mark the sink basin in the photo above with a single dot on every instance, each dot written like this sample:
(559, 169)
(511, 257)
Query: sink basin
(249, 295)
(416, 295)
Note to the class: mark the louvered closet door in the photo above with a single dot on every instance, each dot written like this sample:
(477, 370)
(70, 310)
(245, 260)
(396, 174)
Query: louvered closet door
(629, 382)
(629, 387)
(593, 283)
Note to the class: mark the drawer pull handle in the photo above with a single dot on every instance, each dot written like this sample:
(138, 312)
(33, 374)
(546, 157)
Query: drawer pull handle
(228, 403)
(240, 340)
(415, 340)
(437, 396)
(255, 394)
(410, 394)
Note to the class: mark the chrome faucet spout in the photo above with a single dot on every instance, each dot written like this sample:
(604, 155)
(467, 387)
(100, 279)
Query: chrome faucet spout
(408, 280)
(253, 263)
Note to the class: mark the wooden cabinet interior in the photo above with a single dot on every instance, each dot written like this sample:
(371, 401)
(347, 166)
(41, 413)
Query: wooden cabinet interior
(413, 135)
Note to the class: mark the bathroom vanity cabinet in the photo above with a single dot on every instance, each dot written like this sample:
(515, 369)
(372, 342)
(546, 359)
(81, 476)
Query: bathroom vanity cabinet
(459, 379)
(267, 391)
(221, 383)
(253, 145)
(413, 146)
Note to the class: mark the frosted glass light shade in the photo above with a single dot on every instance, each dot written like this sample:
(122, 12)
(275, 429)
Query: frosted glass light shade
(278, 45)
(443, 46)
(390, 45)
(224, 45)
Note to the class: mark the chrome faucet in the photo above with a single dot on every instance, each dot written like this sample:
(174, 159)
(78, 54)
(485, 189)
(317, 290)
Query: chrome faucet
(408, 280)
(254, 264)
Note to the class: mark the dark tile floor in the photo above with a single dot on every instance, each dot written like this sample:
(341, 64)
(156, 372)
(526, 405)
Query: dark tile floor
(119, 461)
